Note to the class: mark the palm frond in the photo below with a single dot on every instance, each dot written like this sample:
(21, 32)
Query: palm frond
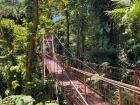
(118, 12)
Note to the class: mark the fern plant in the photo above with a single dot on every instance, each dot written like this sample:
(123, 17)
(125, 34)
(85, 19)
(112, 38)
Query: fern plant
(127, 19)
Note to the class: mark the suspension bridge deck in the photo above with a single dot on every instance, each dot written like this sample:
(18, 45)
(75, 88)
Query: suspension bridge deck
(116, 85)
(74, 90)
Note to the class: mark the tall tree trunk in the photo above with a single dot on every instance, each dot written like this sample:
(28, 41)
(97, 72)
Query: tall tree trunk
(31, 53)
(78, 38)
(83, 44)
(81, 25)
(1, 29)
(68, 34)
(82, 34)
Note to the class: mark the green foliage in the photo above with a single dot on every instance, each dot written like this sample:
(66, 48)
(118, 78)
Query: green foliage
(16, 38)
(7, 92)
(128, 20)
(131, 21)
(15, 84)
(17, 100)
(117, 13)
(13, 25)
(40, 92)
(2, 85)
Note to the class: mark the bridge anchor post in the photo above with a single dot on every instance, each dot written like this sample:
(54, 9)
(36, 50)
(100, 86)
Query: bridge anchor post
(135, 84)
(120, 96)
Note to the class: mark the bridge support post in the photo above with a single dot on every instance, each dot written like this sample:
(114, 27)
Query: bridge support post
(85, 90)
(120, 96)
(56, 91)
(135, 84)
(62, 77)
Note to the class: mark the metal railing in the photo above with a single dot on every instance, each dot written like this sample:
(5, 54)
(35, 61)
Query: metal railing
(109, 85)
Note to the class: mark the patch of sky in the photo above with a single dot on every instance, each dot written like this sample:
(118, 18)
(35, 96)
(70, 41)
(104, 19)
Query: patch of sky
(57, 17)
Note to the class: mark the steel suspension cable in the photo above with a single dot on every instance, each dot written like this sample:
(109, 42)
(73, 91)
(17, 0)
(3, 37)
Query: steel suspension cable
(100, 77)
(75, 58)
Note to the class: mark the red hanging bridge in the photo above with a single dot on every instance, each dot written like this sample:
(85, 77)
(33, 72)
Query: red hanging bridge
(84, 83)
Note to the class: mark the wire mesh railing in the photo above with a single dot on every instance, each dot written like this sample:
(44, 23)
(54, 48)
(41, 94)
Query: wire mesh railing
(115, 85)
